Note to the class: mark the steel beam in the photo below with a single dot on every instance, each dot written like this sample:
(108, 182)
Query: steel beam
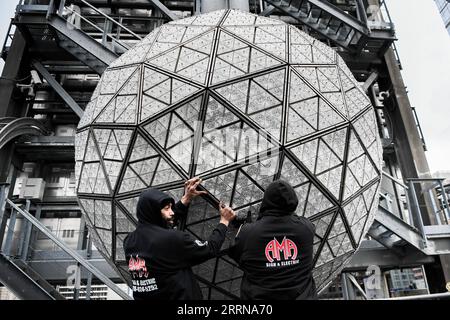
(59, 89)
(268, 11)
(70, 251)
(19, 283)
(164, 9)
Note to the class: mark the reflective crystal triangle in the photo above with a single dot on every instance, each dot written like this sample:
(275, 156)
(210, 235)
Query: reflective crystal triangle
(145, 169)
(113, 80)
(317, 202)
(236, 94)
(141, 149)
(263, 172)
(328, 117)
(270, 120)
(244, 32)
(130, 206)
(302, 92)
(337, 228)
(326, 158)
(260, 99)
(178, 132)
(158, 129)
(112, 169)
(217, 115)
(189, 112)
(356, 101)
(323, 224)
(181, 153)
(336, 142)
(332, 180)
(253, 142)
(237, 18)
(211, 155)
(165, 173)
(245, 191)
(221, 186)
(80, 144)
(131, 182)
(307, 154)
(355, 210)
(291, 174)
(297, 127)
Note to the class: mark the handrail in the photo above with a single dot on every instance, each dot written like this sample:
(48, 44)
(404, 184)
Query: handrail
(109, 18)
(70, 251)
(97, 27)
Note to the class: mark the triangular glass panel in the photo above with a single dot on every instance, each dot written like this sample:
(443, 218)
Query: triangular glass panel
(355, 210)
(322, 224)
(307, 154)
(91, 150)
(236, 94)
(336, 142)
(245, 191)
(165, 173)
(141, 149)
(270, 120)
(332, 180)
(158, 129)
(113, 80)
(217, 115)
(145, 169)
(317, 202)
(302, 195)
(263, 172)
(130, 182)
(253, 142)
(238, 18)
(130, 206)
(221, 186)
(326, 158)
(112, 171)
(291, 173)
(328, 117)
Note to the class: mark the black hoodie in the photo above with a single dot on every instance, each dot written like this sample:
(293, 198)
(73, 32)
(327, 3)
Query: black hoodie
(159, 258)
(276, 251)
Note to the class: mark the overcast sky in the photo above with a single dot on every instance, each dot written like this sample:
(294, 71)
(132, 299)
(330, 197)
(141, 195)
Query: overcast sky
(424, 47)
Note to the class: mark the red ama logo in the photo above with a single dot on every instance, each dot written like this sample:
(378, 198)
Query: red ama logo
(274, 249)
(137, 267)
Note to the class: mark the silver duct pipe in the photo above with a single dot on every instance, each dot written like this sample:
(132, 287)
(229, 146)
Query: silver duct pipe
(212, 5)
(239, 4)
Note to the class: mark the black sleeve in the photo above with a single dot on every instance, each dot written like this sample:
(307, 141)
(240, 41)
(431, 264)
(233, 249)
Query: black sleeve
(235, 251)
(180, 211)
(194, 251)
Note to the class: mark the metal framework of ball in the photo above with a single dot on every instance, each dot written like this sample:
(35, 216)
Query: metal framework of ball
(240, 100)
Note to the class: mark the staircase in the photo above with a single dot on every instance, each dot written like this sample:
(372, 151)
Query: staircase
(402, 237)
(24, 283)
(346, 31)
(93, 38)
(11, 128)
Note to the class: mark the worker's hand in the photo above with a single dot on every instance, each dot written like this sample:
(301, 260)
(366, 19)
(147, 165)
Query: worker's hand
(190, 190)
(226, 214)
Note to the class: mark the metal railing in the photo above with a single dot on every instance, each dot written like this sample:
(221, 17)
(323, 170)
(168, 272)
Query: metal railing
(15, 243)
(74, 17)
(8, 38)
(402, 200)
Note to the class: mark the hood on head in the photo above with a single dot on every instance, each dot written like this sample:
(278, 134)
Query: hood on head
(148, 209)
(279, 199)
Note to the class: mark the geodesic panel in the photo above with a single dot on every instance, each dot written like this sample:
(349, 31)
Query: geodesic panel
(241, 101)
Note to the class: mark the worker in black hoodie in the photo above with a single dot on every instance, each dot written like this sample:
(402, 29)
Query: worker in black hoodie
(159, 257)
(276, 251)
